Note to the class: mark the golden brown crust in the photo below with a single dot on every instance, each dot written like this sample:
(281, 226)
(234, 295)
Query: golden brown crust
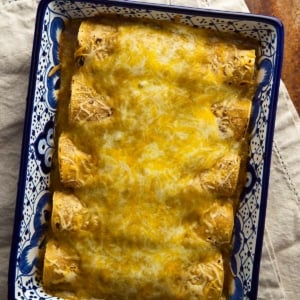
(69, 214)
(86, 104)
(61, 266)
(222, 178)
(65, 208)
(203, 280)
(216, 222)
(96, 38)
(233, 118)
(238, 66)
(74, 165)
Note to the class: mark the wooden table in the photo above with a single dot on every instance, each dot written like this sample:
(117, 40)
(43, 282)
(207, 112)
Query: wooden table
(289, 13)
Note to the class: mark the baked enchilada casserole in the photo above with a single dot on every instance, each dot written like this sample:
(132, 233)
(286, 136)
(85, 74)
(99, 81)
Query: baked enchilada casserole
(151, 139)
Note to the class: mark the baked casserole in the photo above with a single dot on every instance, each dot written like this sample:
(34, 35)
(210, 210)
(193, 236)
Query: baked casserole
(151, 139)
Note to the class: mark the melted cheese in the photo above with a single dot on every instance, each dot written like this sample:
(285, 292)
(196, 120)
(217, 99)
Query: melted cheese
(145, 239)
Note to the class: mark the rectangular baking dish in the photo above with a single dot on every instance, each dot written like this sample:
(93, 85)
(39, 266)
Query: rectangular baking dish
(34, 197)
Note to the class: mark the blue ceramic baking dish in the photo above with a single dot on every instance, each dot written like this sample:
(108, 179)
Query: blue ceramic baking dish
(33, 199)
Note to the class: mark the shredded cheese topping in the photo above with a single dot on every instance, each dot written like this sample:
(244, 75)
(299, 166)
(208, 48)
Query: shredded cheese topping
(147, 232)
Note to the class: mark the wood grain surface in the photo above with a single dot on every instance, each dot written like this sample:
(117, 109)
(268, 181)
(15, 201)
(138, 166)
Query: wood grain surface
(288, 11)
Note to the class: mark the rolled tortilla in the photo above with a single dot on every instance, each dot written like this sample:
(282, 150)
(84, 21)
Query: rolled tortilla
(238, 65)
(233, 118)
(221, 179)
(95, 41)
(69, 214)
(203, 280)
(66, 212)
(74, 165)
(216, 222)
(95, 38)
(86, 104)
(61, 266)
